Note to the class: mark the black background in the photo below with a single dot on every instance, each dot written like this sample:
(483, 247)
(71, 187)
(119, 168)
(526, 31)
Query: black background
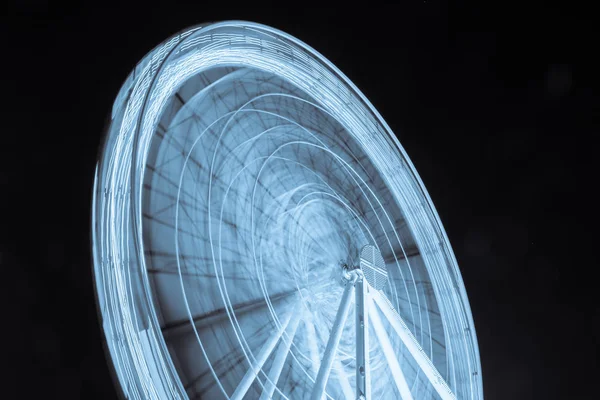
(495, 104)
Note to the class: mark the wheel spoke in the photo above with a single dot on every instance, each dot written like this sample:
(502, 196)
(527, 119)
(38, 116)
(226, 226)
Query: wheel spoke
(334, 340)
(413, 346)
(215, 316)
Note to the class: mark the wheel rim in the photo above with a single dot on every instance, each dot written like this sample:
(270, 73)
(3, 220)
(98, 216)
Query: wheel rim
(255, 171)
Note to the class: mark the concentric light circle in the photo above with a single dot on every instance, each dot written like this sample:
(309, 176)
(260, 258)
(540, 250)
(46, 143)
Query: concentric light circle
(242, 173)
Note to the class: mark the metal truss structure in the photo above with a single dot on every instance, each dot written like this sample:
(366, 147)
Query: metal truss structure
(259, 232)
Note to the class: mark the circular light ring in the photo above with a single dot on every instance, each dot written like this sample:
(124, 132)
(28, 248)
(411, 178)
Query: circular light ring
(138, 350)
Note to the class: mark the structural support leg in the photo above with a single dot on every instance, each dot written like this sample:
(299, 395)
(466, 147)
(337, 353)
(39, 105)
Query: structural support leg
(334, 340)
(282, 351)
(343, 379)
(262, 356)
(411, 343)
(311, 338)
(390, 354)
(363, 370)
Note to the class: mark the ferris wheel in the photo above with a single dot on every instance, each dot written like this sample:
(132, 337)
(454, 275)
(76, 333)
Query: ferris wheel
(259, 232)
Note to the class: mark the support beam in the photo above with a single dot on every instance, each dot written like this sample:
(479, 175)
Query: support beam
(413, 346)
(311, 338)
(334, 340)
(313, 348)
(282, 352)
(363, 369)
(260, 359)
(343, 379)
(389, 353)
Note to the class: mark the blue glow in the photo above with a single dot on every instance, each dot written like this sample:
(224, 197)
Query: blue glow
(240, 173)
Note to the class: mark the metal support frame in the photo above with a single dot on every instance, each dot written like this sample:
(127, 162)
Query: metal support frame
(343, 379)
(334, 339)
(262, 357)
(282, 352)
(411, 343)
(369, 305)
(389, 353)
(363, 370)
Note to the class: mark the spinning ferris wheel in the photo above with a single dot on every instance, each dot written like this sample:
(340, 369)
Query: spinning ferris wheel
(259, 232)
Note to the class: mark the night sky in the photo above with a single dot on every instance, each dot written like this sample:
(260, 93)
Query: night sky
(496, 105)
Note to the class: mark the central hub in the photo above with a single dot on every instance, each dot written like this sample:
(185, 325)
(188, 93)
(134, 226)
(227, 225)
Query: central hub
(371, 267)
(350, 274)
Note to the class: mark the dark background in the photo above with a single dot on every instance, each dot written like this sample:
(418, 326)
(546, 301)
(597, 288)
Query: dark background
(495, 104)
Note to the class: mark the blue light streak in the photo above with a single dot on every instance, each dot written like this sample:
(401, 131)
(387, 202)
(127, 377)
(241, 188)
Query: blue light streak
(131, 321)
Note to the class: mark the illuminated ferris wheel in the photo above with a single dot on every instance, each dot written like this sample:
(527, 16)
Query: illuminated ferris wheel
(259, 232)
